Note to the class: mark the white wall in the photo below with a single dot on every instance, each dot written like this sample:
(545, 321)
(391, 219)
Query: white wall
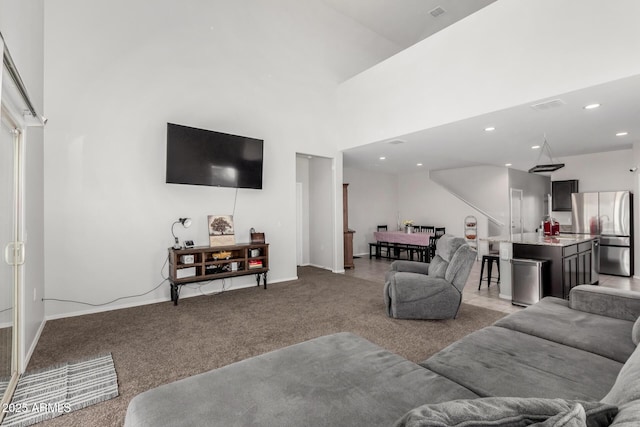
(318, 191)
(21, 24)
(484, 187)
(382, 198)
(302, 177)
(535, 189)
(508, 53)
(321, 208)
(265, 69)
(373, 201)
(607, 171)
(428, 203)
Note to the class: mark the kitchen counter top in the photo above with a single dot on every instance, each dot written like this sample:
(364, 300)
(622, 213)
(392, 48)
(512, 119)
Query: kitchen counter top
(535, 239)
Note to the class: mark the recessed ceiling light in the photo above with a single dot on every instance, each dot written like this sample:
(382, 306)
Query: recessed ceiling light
(382, 158)
(535, 147)
(489, 129)
(591, 106)
(622, 133)
(507, 164)
(418, 164)
(396, 141)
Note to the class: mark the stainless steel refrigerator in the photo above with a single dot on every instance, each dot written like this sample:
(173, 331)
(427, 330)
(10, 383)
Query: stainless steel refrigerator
(608, 215)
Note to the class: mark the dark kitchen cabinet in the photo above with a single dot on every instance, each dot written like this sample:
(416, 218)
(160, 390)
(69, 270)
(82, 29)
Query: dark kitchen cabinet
(561, 194)
(570, 273)
(569, 266)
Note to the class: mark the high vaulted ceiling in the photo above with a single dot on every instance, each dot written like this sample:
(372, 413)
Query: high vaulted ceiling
(406, 22)
(568, 127)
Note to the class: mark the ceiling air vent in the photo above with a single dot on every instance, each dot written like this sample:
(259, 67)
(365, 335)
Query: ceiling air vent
(548, 105)
(437, 11)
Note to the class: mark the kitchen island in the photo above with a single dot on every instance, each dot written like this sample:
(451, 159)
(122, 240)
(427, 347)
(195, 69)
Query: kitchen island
(572, 258)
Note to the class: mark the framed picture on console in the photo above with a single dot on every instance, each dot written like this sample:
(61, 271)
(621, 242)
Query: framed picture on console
(221, 231)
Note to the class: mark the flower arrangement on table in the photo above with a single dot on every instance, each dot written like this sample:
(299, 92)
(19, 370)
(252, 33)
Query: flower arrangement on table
(408, 223)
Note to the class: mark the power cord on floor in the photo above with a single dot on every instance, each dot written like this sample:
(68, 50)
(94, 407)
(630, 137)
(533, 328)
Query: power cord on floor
(164, 279)
(199, 286)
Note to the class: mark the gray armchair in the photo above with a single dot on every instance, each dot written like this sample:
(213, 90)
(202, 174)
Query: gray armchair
(417, 290)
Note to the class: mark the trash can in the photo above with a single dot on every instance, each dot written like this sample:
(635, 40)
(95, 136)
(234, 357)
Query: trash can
(528, 276)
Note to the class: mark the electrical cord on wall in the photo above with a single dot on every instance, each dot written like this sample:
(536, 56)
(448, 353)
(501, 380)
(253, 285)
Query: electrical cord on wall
(235, 199)
(164, 279)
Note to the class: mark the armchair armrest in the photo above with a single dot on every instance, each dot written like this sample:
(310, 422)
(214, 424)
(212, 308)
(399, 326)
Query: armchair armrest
(410, 266)
(617, 303)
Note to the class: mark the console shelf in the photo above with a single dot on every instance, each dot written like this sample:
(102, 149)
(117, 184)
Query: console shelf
(204, 263)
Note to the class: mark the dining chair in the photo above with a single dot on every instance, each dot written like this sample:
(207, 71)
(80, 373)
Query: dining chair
(383, 245)
(428, 229)
(439, 231)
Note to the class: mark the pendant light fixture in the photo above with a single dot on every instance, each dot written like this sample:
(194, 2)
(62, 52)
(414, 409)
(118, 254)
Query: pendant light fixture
(547, 167)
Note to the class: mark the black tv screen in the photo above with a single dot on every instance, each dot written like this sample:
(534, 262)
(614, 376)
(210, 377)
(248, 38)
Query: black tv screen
(204, 157)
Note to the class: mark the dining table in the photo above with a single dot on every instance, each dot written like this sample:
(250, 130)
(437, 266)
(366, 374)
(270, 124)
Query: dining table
(399, 241)
(404, 238)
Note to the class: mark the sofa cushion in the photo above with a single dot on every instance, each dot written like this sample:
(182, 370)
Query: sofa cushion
(612, 302)
(606, 336)
(438, 267)
(447, 245)
(419, 296)
(625, 393)
(331, 380)
(460, 266)
(496, 361)
(509, 411)
(627, 385)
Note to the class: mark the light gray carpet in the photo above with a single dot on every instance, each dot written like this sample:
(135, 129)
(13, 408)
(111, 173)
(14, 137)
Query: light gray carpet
(159, 343)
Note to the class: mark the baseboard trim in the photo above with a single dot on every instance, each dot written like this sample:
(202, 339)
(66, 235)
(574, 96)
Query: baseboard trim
(32, 348)
(95, 310)
(503, 296)
(320, 266)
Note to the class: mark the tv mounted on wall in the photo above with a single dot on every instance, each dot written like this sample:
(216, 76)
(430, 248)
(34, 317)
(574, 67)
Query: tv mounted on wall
(204, 157)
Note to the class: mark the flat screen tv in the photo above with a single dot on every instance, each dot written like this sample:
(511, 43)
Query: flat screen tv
(204, 157)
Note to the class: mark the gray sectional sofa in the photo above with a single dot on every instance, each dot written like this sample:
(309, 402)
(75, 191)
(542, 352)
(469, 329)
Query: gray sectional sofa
(556, 363)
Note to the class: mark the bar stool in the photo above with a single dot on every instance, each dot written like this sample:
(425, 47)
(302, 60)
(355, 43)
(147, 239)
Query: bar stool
(489, 259)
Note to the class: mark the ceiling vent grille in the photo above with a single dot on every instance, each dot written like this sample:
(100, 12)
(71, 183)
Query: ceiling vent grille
(548, 105)
(437, 11)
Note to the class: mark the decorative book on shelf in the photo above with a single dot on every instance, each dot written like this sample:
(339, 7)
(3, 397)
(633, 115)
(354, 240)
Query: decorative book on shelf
(255, 263)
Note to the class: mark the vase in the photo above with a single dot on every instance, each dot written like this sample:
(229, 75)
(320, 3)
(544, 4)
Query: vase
(408, 229)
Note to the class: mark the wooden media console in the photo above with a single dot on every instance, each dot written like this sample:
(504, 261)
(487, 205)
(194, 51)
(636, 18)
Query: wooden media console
(204, 263)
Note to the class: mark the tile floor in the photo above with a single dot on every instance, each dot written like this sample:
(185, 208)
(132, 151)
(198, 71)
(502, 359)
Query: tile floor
(374, 270)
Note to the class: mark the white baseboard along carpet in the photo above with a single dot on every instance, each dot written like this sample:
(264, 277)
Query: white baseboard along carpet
(51, 392)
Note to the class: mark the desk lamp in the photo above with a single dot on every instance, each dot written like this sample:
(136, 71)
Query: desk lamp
(186, 223)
